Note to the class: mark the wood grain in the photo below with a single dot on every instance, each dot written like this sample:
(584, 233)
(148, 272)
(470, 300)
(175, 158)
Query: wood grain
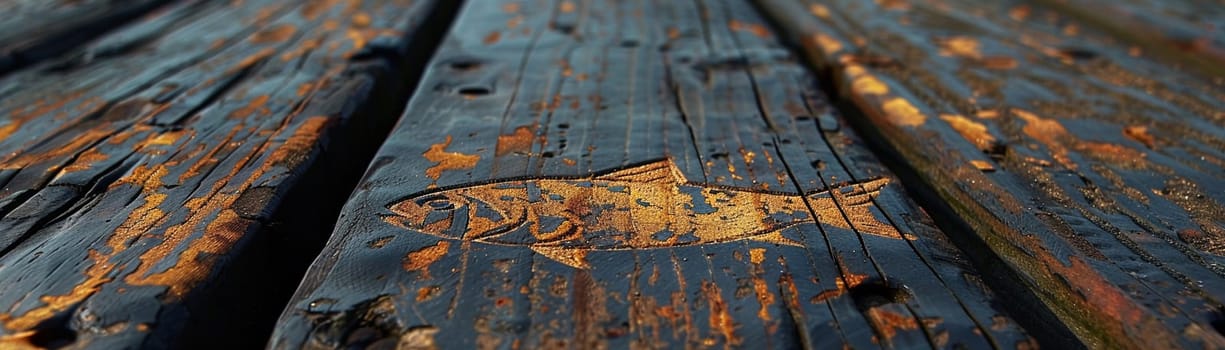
(1187, 34)
(141, 172)
(537, 118)
(33, 30)
(1088, 166)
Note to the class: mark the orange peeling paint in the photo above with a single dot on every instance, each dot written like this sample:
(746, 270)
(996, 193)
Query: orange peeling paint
(361, 20)
(447, 160)
(279, 33)
(901, 112)
(827, 43)
(888, 323)
(492, 38)
(421, 259)
(960, 46)
(518, 141)
(982, 165)
(818, 10)
(867, 84)
(85, 161)
(757, 29)
(999, 62)
(971, 130)
(765, 297)
(720, 317)
(1141, 135)
(757, 255)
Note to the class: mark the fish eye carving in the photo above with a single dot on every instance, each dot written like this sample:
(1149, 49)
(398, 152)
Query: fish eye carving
(436, 203)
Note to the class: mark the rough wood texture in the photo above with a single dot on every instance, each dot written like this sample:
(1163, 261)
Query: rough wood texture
(1089, 168)
(642, 174)
(1187, 33)
(142, 170)
(32, 30)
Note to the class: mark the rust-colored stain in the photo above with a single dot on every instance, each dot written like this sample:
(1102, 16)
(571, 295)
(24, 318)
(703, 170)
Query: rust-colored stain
(82, 141)
(647, 206)
(421, 259)
(511, 7)
(1060, 142)
(757, 29)
(888, 323)
(1093, 290)
(279, 33)
(85, 161)
(720, 317)
(999, 62)
(893, 4)
(256, 105)
(1048, 132)
(492, 38)
(1019, 13)
(447, 160)
(567, 6)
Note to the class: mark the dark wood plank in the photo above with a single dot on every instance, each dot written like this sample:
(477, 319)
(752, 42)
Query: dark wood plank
(570, 175)
(1089, 168)
(141, 175)
(32, 30)
(1186, 33)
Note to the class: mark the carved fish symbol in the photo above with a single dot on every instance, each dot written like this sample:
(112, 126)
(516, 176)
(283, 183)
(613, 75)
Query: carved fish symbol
(647, 206)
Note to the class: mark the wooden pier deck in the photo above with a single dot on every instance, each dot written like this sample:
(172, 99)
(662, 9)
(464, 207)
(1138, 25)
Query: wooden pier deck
(523, 174)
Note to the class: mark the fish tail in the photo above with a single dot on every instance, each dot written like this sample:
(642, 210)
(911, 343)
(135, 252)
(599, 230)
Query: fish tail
(573, 257)
(854, 194)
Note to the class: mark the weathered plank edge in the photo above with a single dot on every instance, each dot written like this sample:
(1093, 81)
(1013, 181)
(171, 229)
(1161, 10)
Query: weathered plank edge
(1205, 58)
(967, 225)
(304, 216)
(14, 56)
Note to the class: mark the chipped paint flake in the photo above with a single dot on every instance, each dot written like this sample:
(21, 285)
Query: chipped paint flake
(447, 160)
(421, 259)
(901, 112)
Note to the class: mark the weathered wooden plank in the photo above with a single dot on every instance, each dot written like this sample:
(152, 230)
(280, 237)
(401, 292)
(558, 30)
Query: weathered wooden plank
(1184, 32)
(142, 175)
(1089, 168)
(631, 174)
(32, 30)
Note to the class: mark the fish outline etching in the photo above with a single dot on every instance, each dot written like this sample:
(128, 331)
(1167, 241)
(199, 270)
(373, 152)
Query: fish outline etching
(645, 206)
